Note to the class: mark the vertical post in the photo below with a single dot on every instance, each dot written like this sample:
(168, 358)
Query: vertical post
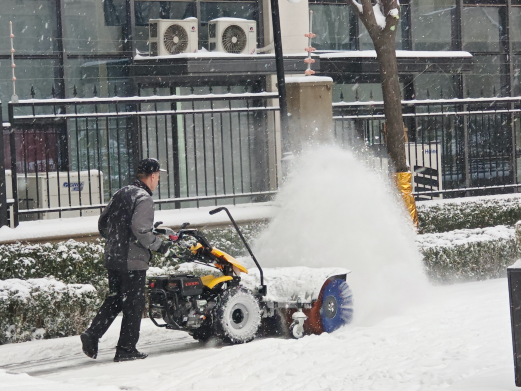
(507, 42)
(466, 145)
(59, 75)
(14, 97)
(407, 42)
(175, 151)
(14, 178)
(3, 190)
(129, 36)
(279, 63)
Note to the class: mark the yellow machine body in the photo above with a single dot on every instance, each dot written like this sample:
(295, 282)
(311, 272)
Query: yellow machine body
(211, 281)
(221, 256)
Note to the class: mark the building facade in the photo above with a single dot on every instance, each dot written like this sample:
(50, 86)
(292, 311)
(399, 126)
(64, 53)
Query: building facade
(87, 48)
(92, 43)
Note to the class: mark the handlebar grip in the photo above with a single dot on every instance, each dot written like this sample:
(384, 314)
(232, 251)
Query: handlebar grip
(212, 212)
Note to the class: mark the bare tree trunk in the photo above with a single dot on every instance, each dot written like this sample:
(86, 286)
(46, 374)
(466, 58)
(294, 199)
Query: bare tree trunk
(386, 56)
(380, 18)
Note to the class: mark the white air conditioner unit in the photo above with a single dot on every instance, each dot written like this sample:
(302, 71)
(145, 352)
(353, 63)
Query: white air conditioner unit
(58, 189)
(170, 36)
(232, 35)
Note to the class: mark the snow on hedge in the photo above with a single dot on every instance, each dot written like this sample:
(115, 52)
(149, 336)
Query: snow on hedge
(44, 308)
(469, 254)
(471, 212)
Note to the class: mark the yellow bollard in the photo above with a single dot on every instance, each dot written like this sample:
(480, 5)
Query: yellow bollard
(404, 184)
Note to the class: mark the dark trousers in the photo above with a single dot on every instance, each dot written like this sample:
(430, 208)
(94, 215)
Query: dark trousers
(127, 294)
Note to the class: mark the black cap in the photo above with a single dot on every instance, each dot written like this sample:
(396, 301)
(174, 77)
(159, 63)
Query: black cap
(149, 166)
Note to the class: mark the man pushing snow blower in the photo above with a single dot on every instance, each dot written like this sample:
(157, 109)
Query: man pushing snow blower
(126, 225)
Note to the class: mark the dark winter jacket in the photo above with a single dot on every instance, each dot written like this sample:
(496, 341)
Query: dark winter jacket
(126, 224)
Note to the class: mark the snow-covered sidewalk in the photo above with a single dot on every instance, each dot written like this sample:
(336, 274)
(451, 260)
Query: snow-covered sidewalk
(79, 227)
(458, 338)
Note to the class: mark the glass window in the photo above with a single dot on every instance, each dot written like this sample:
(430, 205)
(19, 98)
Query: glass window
(484, 77)
(515, 30)
(213, 10)
(431, 24)
(86, 29)
(104, 74)
(481, 29)
(331, 25)
(114, 12)
(37, 73)
(348, 92)
(146, 10)
(436, 85)
(34, 26)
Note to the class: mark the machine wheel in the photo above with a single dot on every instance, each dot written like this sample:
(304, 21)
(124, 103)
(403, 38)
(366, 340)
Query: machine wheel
(336, 308)
(237, 316)
(296, 330)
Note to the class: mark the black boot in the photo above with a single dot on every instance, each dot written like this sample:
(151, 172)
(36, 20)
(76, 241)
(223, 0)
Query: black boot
(89, 344)
(128, 355)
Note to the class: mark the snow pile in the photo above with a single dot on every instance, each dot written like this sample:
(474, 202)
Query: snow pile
(335, 212)
(465, 236)
(291, 284)
(22, 289)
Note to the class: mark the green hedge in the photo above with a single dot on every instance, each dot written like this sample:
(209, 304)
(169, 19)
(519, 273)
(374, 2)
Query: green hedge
(70, 262)
(468, 213)
(469, 254)
(44, 308)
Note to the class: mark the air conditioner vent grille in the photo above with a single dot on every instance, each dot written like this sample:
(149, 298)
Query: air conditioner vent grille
(175, 39)
(234, 39)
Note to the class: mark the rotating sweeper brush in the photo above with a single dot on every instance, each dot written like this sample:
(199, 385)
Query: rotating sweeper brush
(234, 304)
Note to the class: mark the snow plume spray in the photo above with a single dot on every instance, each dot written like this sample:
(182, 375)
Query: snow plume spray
(337, 212)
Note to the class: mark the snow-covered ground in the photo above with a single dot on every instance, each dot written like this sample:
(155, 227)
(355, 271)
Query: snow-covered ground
(457, 339)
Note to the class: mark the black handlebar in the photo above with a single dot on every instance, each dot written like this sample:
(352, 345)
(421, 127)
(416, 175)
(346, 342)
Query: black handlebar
(212, 212)
(263, 289)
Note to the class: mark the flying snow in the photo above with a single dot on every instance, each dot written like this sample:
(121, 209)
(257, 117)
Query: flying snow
(337, 212)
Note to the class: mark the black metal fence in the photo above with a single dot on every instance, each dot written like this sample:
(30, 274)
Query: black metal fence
(69, 156)
(456, 147)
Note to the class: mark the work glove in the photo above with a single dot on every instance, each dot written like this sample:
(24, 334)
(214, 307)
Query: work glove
(163, 249)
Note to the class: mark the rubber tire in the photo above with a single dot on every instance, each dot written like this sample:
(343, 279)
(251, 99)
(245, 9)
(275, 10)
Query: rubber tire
(336, 308)
(237, 316)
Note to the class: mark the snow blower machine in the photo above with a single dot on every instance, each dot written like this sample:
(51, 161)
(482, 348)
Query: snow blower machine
(234, 305)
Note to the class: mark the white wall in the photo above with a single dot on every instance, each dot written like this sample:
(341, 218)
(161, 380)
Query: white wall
(294, 21)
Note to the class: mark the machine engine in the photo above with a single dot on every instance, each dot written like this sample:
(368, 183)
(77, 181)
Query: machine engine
(179, 298)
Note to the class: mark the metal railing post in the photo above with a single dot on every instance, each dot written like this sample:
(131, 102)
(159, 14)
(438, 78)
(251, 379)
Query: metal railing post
(466, 146)
(12, 146)
(3, 190)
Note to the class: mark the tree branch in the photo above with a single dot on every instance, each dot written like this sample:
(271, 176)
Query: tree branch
(367, 17)
(391, 10)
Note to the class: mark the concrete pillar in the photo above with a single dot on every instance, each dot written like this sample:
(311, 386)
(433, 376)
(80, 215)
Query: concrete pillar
(310, 109)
